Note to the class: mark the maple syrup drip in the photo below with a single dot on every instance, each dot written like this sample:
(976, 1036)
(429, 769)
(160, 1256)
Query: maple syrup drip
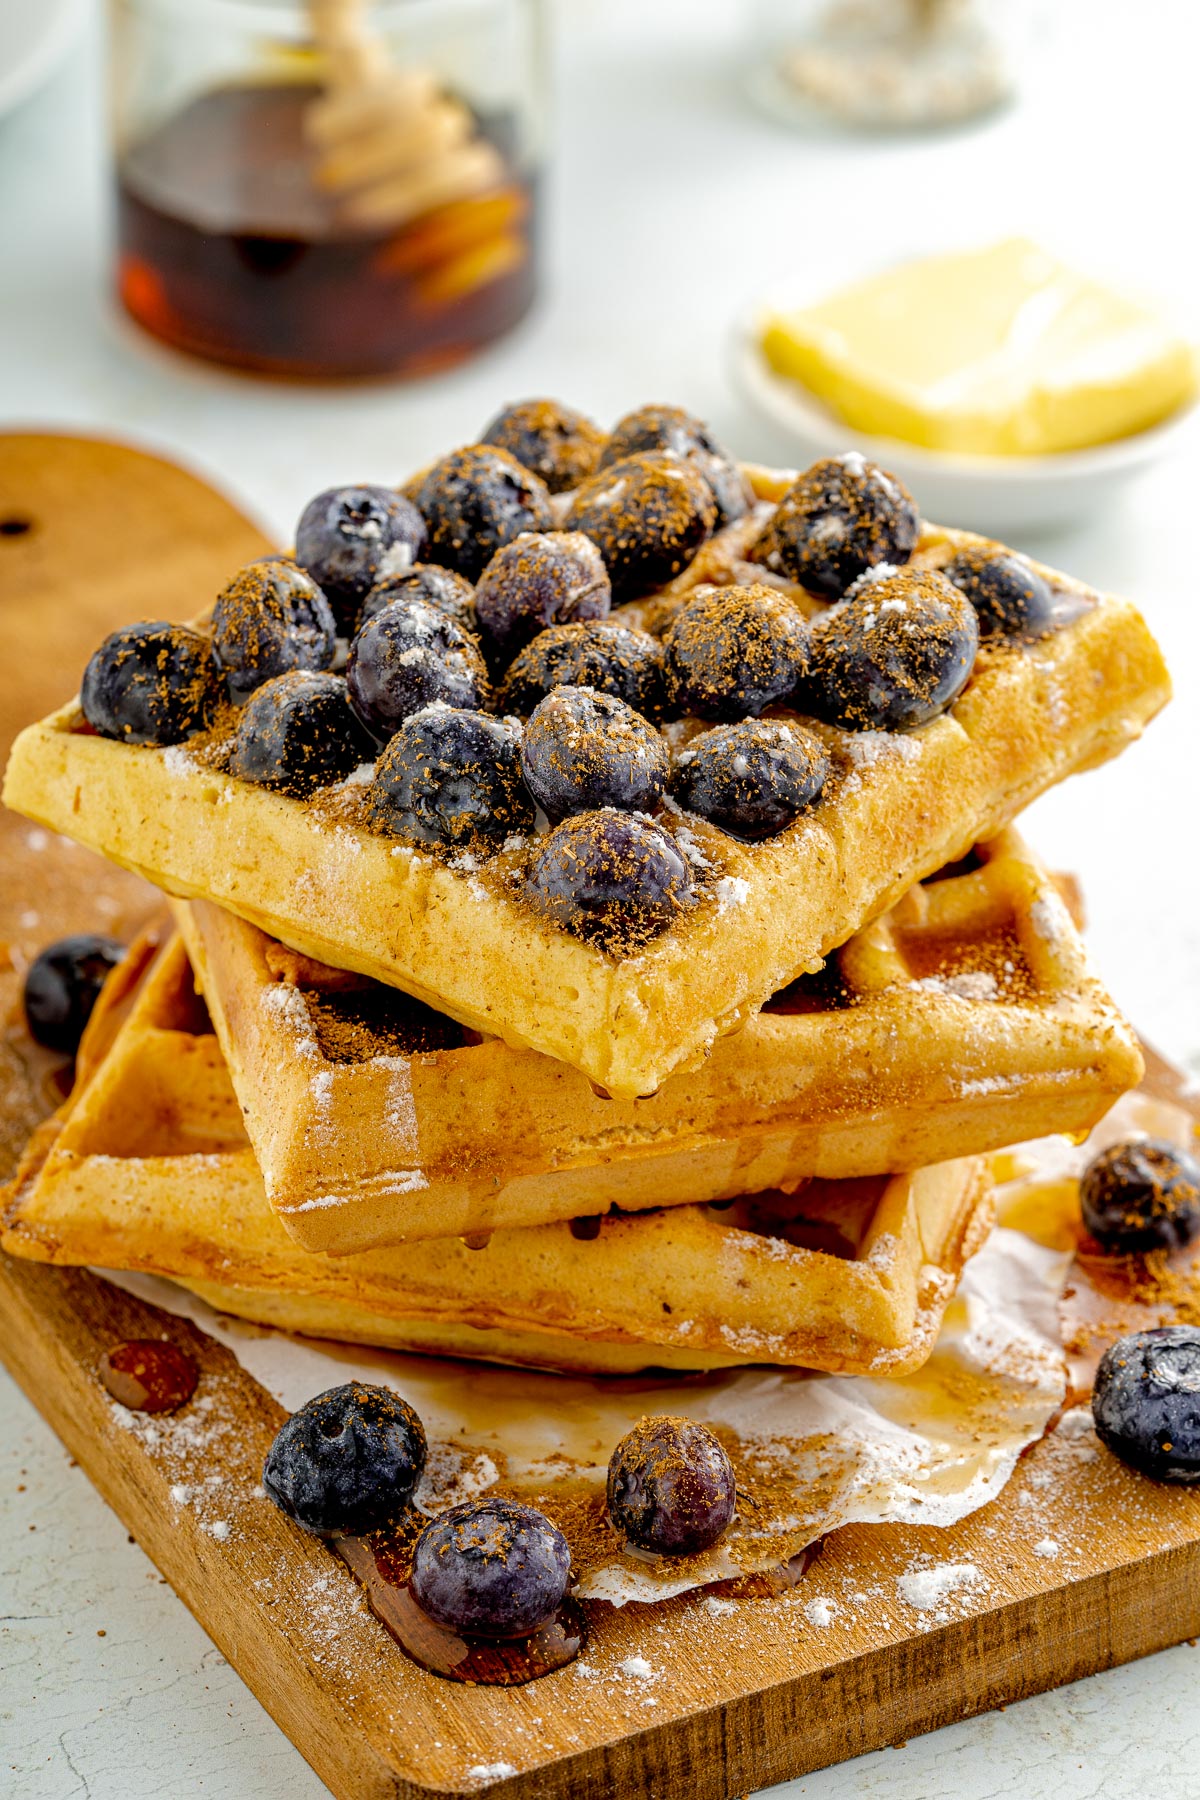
(768, 1582)
(382, 1570)
(149, 1375)
(587, 1228)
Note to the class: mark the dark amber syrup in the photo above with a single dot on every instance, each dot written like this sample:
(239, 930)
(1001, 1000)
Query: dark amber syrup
(230, 250)
(382, 1569)
(149, 1375)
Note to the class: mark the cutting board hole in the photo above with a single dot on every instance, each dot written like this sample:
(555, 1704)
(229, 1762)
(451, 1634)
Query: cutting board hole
(15, 526)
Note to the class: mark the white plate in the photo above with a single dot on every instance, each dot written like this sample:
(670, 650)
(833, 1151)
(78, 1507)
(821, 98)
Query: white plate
(996, 495)
(34, 34)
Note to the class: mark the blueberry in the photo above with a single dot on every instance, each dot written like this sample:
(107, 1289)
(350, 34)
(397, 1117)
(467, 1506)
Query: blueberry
(439, 587)
(1009, 596)
(272, 617)
(350, 538)
(1142, 1195)
(679, 433)
(607, 877)
(895, 655)
(751, 778)
(347, 1462)
(613, 659)
(671, 1487)
(540, 579)
(475, 501)
(732, 651)
(842, 517)
(1146, 1402)
(406, 657)
(151, 683)
(297, 733)
(552, 441)
(648, 515)
(584, 750)
(62, 986)
(450, 777)
(491, 1568)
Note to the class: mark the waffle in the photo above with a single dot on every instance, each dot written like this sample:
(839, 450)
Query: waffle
(148, 1167)
(895, 808)
(964, 1019)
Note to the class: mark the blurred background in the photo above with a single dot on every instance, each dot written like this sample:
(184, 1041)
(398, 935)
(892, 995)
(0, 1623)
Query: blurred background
(596, 200)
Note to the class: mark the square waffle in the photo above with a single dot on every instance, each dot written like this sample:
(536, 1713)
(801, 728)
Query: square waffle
(964, 1019)
(148, 1167)
(460, 937)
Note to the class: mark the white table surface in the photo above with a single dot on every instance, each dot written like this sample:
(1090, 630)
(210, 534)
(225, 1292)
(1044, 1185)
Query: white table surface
(672, 202)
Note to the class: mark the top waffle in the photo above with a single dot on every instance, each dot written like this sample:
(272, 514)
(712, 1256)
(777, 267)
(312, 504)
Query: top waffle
(801, 716)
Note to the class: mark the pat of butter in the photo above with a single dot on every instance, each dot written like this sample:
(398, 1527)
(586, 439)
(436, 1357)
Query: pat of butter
(1002, 352)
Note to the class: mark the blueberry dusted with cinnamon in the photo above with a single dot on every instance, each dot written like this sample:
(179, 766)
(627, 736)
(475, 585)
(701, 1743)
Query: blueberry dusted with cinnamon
(150, 683)
(671, 1487)
(271, 618)
(1146, 1402)
(1142, 1195)
(584, 750)
(406, 657)
(679, 433)
(297, 733)
(451, 777)
(491, 1568)
(614, 659)
(350, 538)
(894, 656)
(843, 516)
(611, 879)
(475, 501)
(733, 651)
(648, 515)
(347, 1462)
(62, 985)
(1009, 596)
(551, 440)
(450, 592)
(540, 579)
(752, 778)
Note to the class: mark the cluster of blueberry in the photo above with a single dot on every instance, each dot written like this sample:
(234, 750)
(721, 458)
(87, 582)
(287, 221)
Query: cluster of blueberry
(348, 1463)
(528, 539)
(1138, 1198)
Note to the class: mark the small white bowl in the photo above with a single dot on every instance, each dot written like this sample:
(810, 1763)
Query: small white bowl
(995, 495)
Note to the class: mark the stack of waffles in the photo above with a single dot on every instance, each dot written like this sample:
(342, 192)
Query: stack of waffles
(357, 1085)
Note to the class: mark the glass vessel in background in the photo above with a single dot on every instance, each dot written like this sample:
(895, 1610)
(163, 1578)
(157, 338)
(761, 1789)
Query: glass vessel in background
(884, 64)
(327, 188)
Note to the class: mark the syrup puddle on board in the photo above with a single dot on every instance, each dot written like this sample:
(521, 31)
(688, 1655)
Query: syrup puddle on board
(149, 1375)
(381, 1567)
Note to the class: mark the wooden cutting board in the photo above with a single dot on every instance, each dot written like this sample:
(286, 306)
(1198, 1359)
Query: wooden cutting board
(1079, 1564)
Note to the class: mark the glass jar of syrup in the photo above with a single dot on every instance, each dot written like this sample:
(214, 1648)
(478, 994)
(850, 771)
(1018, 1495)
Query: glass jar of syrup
(327, 188)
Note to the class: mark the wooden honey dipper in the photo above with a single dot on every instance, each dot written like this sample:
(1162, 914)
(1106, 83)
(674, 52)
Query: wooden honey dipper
(390, 143)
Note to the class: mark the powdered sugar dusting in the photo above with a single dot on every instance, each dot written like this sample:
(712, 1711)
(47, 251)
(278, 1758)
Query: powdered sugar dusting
(968, 984)
(928, 1589)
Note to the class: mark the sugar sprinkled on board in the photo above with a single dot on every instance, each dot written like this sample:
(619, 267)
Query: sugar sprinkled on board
(820, 1613)
(1047, 1547)
(927, 1590)
(638, 1668)
(497, 1771)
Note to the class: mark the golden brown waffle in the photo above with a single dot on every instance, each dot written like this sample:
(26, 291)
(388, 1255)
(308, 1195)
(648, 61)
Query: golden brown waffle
(896, 807)
(150, 1169)
(965, 1019)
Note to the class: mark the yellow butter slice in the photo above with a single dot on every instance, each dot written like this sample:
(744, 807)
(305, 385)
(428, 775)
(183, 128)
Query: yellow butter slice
(1003, 351)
